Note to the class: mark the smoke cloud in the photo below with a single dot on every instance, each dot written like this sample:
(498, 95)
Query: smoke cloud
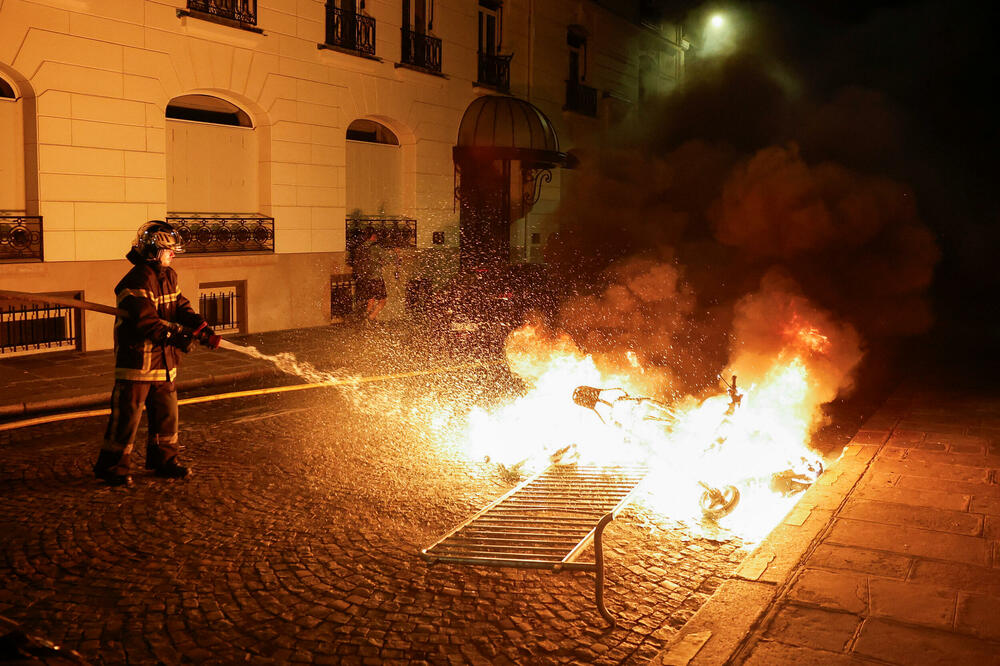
(737, 216)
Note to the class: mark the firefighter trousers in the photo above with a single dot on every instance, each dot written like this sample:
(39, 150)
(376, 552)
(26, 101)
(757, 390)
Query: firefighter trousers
(127, 399)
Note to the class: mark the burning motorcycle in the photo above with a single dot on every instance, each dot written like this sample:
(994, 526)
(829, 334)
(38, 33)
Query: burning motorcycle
(648, 419)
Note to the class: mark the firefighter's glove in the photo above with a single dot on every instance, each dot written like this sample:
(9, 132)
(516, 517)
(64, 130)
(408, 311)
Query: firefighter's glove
(207, 337)
(181, 339)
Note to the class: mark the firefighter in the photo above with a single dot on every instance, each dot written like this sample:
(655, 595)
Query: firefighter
(159, 325)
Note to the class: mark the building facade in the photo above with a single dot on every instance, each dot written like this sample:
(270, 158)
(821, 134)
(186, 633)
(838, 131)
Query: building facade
(270, 131)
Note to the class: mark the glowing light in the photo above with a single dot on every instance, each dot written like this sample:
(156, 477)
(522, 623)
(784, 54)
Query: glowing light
(717, 21)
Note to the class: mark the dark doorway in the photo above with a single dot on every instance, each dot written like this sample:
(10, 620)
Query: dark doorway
(484, 218)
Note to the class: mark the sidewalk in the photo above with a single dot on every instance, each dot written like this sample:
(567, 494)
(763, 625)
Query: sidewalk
(893, 556)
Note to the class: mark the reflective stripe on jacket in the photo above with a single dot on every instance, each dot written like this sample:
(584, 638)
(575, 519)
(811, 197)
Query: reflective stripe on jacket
(156, 308)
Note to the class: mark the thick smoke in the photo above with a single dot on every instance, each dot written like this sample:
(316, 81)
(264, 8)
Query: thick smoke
(734, 211)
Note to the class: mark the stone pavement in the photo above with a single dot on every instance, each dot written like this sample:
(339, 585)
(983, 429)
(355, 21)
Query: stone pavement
(297, 540)
(892, 557)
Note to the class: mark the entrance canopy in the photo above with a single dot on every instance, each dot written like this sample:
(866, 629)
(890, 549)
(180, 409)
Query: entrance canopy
(497, 127)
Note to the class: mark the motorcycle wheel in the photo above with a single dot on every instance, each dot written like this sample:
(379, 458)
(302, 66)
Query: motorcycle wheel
(716, 503)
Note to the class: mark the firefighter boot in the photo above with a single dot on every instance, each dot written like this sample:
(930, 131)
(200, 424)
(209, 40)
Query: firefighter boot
(171, 470)
(108, 466)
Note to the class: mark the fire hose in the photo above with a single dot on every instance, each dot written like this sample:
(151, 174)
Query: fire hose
(60, 300)
(107, 309)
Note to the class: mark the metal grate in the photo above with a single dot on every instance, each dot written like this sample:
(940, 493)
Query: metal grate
(341, 296)
(221, 310)
(547, 522)
(32, 329)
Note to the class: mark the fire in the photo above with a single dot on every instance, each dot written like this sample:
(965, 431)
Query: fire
(750, 440)
(808, 336)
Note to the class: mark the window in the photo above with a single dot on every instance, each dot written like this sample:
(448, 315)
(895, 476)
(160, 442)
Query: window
(576, 39)
(494, 67)
(207, 109)
(212, 160)
(418, 48)
(373, 180)
(348, 28)
(37, 328)
(647, 72)
(580, 98)
(418, 15)
(371, 132)
(14, 236)
(223, 305)
(490, 24)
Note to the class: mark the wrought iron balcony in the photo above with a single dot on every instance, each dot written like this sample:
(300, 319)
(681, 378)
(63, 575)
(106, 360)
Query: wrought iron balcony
(392, 231)
(581, 98)
(350, 30)
(210, 233)
(494, 71)
(241, 11)
(421, 50)
(20, 238)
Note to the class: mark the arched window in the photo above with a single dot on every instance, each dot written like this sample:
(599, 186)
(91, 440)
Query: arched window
(12, 152)
(6, 90)
(207, 109)
(370, 131)
(212, 157)
(374, 178)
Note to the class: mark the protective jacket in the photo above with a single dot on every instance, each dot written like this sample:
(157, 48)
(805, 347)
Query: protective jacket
(145, 340)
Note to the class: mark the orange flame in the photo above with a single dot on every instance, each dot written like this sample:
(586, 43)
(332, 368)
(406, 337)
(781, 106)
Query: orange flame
(709, 441)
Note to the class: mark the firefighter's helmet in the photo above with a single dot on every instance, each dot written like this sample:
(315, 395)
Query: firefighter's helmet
(157, 235)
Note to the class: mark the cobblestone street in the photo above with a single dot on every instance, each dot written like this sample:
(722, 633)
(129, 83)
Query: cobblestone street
(297, 540)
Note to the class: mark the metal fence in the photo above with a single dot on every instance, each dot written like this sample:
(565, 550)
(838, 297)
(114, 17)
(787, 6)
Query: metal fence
(244, 11)
(221, 310)
(205, 233)
(34, 328)
(581, 98)
(421, 50)
(350, 30)
(341, 296)
(20, 238)
(494, 71)
(392, 232)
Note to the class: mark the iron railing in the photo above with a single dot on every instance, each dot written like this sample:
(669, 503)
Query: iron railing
(243, 11)
(208, 233)
(350, 30)
(33, 328)
(20, 238)
(341, 296)
(220, 310)
(392, 232)
(421, 50)
(494, 71)
(581, 98)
